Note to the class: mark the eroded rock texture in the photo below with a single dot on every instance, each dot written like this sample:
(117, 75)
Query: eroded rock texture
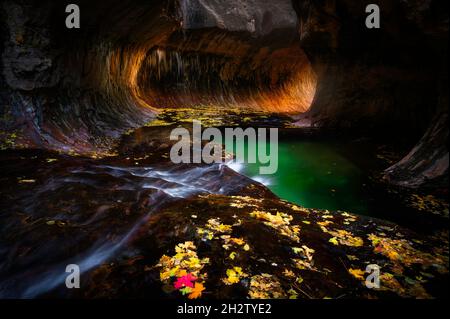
(125, 216)
(382, 80)
(259, 17)
(75, 89)
(78, 89)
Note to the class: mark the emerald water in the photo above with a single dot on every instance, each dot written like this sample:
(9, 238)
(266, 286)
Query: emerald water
(311, 174)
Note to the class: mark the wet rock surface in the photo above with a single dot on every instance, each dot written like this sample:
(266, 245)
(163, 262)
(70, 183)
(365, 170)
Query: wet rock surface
(142, 227)
(122, 221)
(257, 53)
(63, 208)
(125, 214)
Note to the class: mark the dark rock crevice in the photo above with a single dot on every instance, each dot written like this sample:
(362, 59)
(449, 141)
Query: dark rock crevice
(79, 89)
(382, 81)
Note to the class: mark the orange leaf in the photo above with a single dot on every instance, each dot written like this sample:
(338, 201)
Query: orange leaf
(196, 291)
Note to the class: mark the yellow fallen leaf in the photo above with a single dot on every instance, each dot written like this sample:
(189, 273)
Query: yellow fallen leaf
(181, 273)
(357, 273)
(28, 181)
(288, 273)
(292, 294)
(334, 241)
(238, 241)
(234, 275)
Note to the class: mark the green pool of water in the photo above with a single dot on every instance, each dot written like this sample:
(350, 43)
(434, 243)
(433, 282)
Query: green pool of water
(311, 174)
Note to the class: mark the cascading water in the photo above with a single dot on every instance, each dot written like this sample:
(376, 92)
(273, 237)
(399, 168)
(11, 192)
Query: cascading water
(86, 115)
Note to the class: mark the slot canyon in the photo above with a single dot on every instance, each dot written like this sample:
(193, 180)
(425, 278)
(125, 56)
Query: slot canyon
(86, 116)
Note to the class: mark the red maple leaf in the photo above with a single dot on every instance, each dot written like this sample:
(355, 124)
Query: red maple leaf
(185, 281)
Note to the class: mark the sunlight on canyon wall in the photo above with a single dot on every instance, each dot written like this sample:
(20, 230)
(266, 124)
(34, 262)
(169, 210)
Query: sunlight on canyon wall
(118, 70)
(281, 80)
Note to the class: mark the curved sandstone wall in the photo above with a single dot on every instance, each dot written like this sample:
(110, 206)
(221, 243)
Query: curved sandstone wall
(79, 89)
